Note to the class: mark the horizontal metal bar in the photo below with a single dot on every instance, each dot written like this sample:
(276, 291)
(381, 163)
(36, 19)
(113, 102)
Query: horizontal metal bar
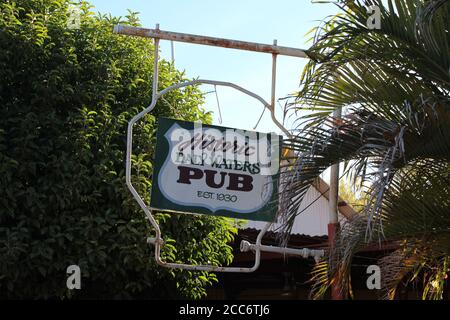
(305, 252)
(209, 41)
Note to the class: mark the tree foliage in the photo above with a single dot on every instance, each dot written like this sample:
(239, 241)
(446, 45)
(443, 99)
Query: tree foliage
(393, 86)
(66, 95)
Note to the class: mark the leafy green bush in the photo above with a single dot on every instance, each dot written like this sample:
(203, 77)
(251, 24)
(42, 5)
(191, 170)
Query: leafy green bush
(66, 96)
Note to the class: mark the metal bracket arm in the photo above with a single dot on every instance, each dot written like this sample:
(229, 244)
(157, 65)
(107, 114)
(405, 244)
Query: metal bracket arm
(304, 252)
(157, 34)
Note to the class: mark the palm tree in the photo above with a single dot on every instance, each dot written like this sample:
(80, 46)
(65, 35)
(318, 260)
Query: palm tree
(392, 85)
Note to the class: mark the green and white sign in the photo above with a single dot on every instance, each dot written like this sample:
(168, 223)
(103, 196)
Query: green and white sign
(215, 170)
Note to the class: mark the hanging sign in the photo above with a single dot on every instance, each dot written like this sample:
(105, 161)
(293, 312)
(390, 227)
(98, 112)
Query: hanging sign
(215, 170)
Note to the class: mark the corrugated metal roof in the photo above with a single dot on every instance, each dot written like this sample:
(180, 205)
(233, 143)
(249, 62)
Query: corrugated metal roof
(312, 221)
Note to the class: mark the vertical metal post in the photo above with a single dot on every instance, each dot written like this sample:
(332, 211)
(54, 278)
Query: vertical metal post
(333, 223)
(172, 52)
(274, 76)
(155, 66)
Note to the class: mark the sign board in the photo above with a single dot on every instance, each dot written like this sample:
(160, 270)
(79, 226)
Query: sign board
(215, 170)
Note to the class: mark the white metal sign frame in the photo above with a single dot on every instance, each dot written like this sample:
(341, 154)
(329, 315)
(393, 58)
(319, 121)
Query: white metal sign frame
(157, 241)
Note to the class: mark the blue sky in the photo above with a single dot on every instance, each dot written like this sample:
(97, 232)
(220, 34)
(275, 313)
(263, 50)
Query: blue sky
(250, 20)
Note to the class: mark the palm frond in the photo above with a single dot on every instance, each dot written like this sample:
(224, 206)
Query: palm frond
(415, 212)
(358, 65)
(393, 86)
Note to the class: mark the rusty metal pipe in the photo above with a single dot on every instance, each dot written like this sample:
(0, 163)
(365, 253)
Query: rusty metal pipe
(209, 41)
